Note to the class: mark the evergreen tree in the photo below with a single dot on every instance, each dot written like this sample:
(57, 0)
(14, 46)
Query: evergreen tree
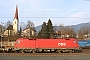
(50, 29)
(39, 34)
(43, 32)
(20, 30)
(46, 30)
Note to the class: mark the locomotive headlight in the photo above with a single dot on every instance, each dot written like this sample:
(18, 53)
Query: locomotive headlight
(75, 42)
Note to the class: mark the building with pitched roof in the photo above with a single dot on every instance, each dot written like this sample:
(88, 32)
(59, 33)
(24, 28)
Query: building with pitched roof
(28, 32)
(13, 29)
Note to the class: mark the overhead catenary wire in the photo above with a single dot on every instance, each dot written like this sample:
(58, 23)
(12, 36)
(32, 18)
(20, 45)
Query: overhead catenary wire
(49, 17)
(42, 11)
(45, 16)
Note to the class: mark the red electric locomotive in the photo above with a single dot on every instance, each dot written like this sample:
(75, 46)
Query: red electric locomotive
(47, 45)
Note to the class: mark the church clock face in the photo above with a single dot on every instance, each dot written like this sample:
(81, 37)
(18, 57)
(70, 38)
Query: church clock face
(15, 22)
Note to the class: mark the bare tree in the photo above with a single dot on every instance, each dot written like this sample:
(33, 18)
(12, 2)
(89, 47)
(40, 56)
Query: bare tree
(9, 27)
(8, 23)
(30, 25)
(69, 31)
(2, 28)
(22, 25)
(61, 29)
(55, 28)
(83, 31)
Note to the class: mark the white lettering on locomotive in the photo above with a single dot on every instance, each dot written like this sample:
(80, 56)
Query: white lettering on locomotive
(61, 44)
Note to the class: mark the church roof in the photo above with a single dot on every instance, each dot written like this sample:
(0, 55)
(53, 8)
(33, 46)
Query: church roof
(10, 27)
(29, 28)
(16, 13)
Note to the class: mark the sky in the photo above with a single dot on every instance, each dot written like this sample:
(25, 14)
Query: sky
(66, 12)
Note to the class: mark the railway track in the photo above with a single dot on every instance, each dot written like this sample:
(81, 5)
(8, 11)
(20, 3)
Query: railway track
(50, 54)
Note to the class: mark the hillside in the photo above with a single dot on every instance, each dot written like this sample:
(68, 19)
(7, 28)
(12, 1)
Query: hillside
(76, 27)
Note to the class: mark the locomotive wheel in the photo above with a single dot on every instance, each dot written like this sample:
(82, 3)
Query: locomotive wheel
(73, 51)
(70, 51)
(33, 51)
(76, 51)
(17, 51)
(3, 51)
(58, 51)
(21, 51)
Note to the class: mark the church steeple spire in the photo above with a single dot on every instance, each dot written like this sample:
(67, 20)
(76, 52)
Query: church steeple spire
(15, 21)
(16, 13)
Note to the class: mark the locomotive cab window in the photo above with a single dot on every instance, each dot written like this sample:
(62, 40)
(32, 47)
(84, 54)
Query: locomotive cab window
(18, 41)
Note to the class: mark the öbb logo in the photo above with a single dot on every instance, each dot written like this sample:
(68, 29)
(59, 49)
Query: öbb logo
(61, 44)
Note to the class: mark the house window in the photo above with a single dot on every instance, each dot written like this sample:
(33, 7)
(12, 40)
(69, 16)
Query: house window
(30, 33)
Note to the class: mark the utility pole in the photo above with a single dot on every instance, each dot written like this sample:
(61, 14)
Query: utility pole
(61, 30)
(1, 32)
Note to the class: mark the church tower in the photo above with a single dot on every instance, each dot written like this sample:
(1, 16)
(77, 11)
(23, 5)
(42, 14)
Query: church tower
(16, 21)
